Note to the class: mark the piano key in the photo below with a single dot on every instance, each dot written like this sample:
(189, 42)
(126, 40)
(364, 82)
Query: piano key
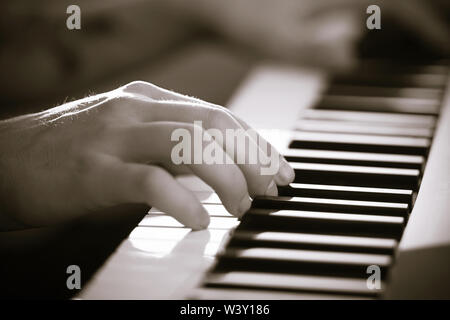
(389, 66)
(317, 222)
(423, 80)
(176, 234)
(360, 143)
(334, 174)
(217, 210)
(404, 120)
(305, 241)
(361, 128)
(292, 255)
(341, 264)
(332, 205)
(234, 293)
(354, 158)
(159, 233)
(165, 247)
(291, 283)
(163, 240)
(167, 221)
(380, 104)
(346, 193)
(371, 91)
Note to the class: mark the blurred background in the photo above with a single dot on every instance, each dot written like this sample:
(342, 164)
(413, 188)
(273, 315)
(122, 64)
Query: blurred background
(201, 48)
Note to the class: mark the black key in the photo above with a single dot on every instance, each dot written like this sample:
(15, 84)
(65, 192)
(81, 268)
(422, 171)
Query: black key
(379, 118)
(360, 143)
(332, 205)
(355, 158)
(333, 174)
(346, 193)
(361, 128)
(389, 67)
(371, 91)
(380, 104)
(291, 283)
(307, 241)
(316, 222)
(423, 80)
(302, 262)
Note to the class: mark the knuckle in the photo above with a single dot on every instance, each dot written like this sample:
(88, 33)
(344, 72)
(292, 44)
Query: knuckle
(137, 86)
(142, 88)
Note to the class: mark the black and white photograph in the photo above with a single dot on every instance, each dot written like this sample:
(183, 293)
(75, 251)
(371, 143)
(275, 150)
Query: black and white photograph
(225, 155)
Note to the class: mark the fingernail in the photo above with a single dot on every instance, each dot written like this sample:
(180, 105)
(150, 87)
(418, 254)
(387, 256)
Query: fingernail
(272, 189)
(204, 221)
(286, 172)
(245, 204)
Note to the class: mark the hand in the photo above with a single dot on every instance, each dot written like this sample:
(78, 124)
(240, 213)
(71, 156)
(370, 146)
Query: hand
(115, 148)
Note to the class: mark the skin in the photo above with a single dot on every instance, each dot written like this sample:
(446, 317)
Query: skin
(115, 148)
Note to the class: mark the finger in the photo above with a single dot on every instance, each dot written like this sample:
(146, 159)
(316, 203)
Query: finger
(285, 174)
(257, 165)
(176, 169)
(171, 143)
(139, 183)
(182, 112)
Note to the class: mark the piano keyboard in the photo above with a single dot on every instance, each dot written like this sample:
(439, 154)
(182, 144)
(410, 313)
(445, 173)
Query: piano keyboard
(359, 169)
(359, 155)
